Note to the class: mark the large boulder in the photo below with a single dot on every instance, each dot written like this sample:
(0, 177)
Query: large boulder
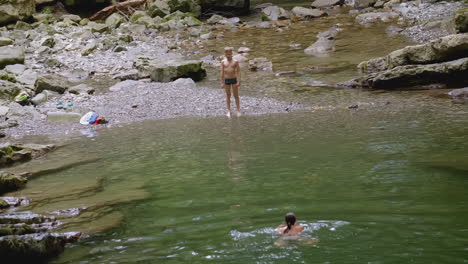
(274, 13)
(439, 50)
(56, 83)
(14, 10)
(170, 70)
(452, 73)
(307, 12)
(11, 55)
(326, 3)
(460, 20)
(34, 248)
(165, 7)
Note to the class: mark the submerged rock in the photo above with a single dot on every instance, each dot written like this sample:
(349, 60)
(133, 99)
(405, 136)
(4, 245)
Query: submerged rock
(260, 64)
(167, 71)
(81, 89)
(325, 44)
(460, 94)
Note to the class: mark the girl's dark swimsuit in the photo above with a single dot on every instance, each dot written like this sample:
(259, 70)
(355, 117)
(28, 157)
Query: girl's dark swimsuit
(230, 81)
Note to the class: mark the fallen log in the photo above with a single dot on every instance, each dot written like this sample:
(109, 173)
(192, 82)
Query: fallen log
(120, 7)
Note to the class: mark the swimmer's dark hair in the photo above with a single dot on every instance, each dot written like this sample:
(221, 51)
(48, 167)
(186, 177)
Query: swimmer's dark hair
(290, 219)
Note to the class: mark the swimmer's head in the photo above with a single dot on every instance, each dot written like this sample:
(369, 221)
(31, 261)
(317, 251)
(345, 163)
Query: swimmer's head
(290, 219)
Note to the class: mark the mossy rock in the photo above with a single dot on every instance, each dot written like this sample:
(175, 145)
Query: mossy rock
(3, 204)
(5, 41)
(114, 20)
(11, 182)
(165, 7)
(461, 20)
(14, 10)
(16, 229)
(8, 90)
(48, 42)
(38, 247)
(265, 17)
(54, 83)
(99, 28)
(137, 15)
(20, 25)
(6, 77)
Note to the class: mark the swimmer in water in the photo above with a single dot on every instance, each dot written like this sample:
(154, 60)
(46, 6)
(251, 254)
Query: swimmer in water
(291, 232)
(292, 227)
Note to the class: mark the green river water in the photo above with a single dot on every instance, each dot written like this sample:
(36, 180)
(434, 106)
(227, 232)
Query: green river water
(383, 183)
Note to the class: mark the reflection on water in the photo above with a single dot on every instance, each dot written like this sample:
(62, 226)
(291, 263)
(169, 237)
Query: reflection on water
(235, 149)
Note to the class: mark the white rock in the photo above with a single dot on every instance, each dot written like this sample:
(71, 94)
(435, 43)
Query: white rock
(185, 82)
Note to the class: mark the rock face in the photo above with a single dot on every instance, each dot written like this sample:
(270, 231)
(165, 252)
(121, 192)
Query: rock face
(14, 10)
(439, 50)
(9, 55)
(274, 13)
(170, 70)
(326, 3)
(307, 12)
(461, 20)
(54, 83)
(452, 73)
(162, 8)
(325, 44)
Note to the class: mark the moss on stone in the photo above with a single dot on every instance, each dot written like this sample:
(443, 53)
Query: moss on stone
(11, 182)
(461, 20)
